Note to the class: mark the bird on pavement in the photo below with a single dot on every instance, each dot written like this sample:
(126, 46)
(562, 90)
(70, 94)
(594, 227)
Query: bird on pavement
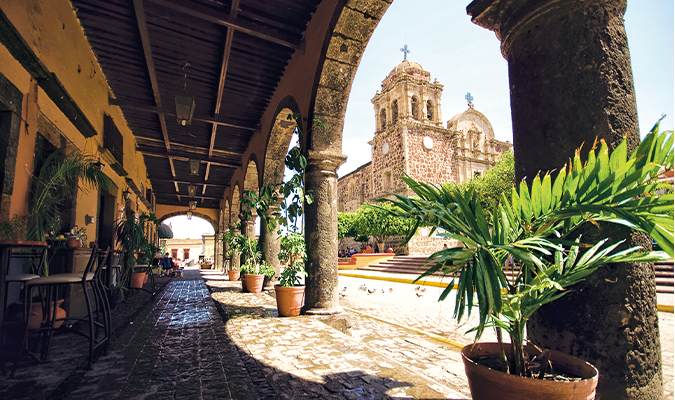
(417, 288)
(344, 289)
(419, 295)
(371, 291)
(363, 287)
(391, 290)
(423, 289)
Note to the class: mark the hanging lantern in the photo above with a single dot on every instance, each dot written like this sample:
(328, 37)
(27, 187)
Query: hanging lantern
(194, 167)
(185, 108)
(189, 215)
(191, 190)
(193, 205)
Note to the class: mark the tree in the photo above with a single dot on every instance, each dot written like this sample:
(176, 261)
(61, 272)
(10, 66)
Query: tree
(345, 225)
(380, 223)
(496, 181)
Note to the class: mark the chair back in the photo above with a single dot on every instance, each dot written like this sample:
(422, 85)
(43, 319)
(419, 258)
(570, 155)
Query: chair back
(104, 258)
(35, 257)
(96, 261)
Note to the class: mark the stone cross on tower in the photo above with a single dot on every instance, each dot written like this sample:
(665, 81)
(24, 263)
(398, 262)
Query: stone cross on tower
(405, 51)
(469, 98)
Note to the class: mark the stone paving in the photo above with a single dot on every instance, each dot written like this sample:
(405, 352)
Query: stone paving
(185, 345)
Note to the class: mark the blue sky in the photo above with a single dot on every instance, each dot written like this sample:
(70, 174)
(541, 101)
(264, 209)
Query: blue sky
(467, 58)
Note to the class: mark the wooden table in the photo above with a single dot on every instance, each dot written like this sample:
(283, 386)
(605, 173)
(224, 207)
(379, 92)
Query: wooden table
(6, 247)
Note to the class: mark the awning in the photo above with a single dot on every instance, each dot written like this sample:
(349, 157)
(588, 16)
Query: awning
(165, 232)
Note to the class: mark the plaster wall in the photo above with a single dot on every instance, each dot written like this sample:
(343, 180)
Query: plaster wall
(53, 33)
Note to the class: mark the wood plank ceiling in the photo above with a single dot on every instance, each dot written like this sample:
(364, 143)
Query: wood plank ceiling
(236, 52)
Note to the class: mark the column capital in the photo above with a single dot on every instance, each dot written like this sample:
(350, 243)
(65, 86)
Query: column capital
(326, 161)
(510, 18)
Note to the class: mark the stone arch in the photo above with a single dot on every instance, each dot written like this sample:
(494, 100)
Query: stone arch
(251, 179)
(279, 141)
(415, 107)
(430, 110)
(383, 119)
(205, 217)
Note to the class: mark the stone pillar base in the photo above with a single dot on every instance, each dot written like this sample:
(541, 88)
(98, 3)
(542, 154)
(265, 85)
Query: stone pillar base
(324, 311)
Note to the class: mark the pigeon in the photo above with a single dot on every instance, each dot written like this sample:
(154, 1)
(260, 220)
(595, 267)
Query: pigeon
(382, 290)
(423, 289)
(343, 294)
(371, 291)
(391, 290)
(344, 289)
(417, 288)
(419, 295)
(363, 287)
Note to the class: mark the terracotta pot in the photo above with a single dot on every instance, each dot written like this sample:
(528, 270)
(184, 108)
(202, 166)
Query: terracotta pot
(233, 275)
(487, 384)
(254, 282)
(137, 280)
(145, 279)
(289, 299)
(72, 243)
(36, 317)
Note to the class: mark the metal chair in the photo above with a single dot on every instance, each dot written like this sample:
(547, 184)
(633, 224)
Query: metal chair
(49, 292)
(36, 258)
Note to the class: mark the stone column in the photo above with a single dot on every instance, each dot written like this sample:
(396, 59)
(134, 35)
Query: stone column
(271, 246)
(321, 293)
(570, 80)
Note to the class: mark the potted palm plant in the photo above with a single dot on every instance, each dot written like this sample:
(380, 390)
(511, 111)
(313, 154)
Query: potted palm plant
(130, 234)
(230, 241)
(541, 234)
(289, 292)
(255, 269)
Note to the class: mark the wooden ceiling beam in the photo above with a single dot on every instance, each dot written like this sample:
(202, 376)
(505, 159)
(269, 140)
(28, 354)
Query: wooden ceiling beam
(173, 156)
(217, 120)
(201, 151)
(223, 73)
(189, 183)
(179, 195)
(210, 15)
(147, 51)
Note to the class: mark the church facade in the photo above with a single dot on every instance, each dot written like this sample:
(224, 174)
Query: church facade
(410, 137)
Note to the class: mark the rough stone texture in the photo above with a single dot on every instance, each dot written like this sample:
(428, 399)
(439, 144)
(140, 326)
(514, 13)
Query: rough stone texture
(408, 113)
(571, 80)
(321, 233)
(271, 246)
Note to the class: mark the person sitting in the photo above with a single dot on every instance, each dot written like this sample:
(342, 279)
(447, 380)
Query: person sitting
(167, 265)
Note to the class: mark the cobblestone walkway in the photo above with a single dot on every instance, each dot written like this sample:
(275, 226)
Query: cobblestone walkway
(177, 350)
(205, 339)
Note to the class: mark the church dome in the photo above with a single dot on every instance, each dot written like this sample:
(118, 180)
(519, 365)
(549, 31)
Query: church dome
(406, 67)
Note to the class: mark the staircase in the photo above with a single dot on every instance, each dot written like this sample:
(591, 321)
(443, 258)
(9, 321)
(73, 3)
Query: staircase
(665, 275)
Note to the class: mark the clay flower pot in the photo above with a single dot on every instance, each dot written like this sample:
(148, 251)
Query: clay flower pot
(254, 282)
(289, 299)
(137, 280)
(233, 275)
(487, 384)
(35, 319)
(73, 243)
(243, 283)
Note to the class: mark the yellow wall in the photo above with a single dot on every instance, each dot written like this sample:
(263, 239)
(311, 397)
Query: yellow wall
(54, 34)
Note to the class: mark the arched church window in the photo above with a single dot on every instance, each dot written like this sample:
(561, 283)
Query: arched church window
(430, 110)
(383, 119)
(394, 111)
(414, 107)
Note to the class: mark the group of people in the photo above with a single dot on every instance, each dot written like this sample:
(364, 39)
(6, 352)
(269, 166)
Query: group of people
(169, 266)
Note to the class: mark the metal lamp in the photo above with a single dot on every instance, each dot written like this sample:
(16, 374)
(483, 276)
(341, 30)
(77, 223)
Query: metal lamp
(185, 108)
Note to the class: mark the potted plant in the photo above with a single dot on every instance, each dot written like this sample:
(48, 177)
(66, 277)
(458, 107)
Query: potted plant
(230, 241)
(537, 234)
(130, 234)
(255, 269)
(290, 294)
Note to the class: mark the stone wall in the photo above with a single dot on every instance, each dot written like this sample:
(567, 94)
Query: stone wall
(431, 165)
(354, 189)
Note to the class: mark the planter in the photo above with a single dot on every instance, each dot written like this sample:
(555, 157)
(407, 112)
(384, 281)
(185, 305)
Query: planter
(289, 299)
(233, 275)
(137, 280)
(72, 243)
(35, 319)
(243, 283)
(254, 282)
(486, 383)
